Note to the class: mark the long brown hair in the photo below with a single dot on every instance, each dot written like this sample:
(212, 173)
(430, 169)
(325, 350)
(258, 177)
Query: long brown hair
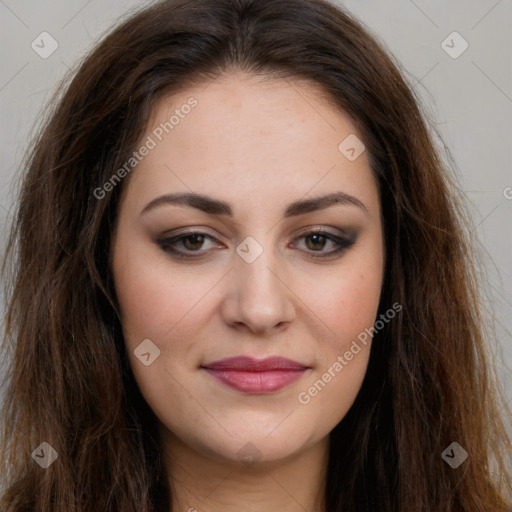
(430, 381)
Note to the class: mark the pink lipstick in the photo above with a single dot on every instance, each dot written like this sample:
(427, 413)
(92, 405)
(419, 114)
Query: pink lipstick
(256, 375)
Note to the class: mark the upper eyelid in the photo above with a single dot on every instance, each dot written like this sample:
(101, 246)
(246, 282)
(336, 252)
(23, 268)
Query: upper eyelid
(307, 231)
(345, 239)
(200, 230)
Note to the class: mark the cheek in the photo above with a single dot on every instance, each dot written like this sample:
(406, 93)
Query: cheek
(346, 298)
(168, 306)
(342, 360)
(347, 304)
(159, 307)
(152, 301)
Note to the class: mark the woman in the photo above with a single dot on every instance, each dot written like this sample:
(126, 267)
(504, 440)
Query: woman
(241, 278)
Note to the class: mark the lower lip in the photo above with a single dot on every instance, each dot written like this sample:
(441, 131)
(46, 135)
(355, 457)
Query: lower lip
(257, 382)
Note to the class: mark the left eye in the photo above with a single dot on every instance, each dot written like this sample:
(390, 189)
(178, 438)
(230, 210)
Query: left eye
(318, 240)
(315, 242)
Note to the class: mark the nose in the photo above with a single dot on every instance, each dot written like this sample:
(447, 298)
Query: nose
(258, 298)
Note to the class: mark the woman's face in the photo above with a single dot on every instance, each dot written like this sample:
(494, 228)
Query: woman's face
(215, 257)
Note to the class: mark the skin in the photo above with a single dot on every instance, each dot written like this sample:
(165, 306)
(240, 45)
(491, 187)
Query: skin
(258, 145)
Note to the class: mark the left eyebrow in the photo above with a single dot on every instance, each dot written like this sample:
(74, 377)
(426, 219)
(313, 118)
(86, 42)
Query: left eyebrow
(323, 202)
(218, 207)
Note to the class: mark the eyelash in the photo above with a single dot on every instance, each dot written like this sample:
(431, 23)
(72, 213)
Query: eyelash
(343, 244)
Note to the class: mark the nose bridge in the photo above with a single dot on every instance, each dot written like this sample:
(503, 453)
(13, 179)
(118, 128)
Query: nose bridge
(257, 273)
(260, 297)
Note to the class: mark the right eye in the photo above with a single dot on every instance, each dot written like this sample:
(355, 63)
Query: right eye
(191, 241)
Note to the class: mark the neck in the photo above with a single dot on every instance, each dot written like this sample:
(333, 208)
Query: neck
(205, 484)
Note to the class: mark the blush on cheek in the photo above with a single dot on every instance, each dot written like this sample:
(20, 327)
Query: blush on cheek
(149, 302)
(354, 311)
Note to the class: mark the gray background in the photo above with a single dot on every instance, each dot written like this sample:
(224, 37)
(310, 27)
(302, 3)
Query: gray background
(470, 98)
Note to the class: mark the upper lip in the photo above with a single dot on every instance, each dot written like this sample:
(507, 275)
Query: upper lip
(249, 364)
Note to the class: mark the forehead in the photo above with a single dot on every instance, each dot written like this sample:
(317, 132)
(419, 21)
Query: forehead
(241, 136)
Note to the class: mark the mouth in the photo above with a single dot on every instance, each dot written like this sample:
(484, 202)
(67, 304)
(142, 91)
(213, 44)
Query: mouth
(257, 376)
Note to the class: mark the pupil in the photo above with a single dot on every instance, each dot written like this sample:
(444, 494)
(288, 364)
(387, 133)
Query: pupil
(194, 242)
(317, 239)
